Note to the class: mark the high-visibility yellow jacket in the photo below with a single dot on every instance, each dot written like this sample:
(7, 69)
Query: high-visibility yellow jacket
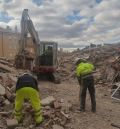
(84, 68)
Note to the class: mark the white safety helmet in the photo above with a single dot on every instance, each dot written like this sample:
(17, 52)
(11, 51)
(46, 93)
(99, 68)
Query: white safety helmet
(79, 60)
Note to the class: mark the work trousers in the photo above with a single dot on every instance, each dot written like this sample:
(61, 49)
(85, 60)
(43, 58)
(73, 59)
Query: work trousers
(33, 96)
(87, 82)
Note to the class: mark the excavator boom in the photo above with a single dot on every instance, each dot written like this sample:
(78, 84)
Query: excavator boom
(23, 58)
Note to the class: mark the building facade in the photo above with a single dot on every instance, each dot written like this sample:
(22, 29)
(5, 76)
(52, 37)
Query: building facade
(9, 43)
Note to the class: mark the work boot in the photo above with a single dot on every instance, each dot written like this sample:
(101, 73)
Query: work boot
(82, 109)
(93, 110)
(39, 120)
(93, 107)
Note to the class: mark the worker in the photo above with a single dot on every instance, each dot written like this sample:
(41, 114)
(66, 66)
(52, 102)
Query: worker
(86, 81)
(27, 88)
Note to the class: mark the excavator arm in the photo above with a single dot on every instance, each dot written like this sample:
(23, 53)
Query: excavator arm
(27, 27)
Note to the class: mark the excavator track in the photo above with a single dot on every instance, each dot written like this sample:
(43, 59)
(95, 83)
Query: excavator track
(55, 78)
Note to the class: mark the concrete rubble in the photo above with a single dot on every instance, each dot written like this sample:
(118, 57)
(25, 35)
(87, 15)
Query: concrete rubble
(48, 101)
(106, 59)
(57, 113)
(57, 127)
(2, 90)
(11, 123)
(53, 112)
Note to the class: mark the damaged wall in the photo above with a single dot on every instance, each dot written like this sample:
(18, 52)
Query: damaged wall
(8, 44)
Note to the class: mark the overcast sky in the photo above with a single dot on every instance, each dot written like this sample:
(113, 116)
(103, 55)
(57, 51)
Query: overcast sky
(69, 22)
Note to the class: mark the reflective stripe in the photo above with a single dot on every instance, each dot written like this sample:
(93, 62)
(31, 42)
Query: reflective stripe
(37, 111)
(36, 115)
(17, 113)
(18, 110)
(86, 75)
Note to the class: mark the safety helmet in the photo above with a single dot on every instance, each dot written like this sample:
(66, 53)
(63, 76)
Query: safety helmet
(21, 73)
(79, 60)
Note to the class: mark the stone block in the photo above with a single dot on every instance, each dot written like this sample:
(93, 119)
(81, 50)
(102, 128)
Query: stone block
(2, 90)
(48, 101)
(57, 127)
(12, 123)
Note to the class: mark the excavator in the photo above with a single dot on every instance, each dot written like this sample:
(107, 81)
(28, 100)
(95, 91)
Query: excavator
(44, 59)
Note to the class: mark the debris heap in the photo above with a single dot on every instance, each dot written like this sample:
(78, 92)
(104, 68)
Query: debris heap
(56, 112)
(105, 59)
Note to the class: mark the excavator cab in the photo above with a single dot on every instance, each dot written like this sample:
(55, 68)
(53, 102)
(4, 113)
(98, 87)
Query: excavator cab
(48, 54)
(47, 57)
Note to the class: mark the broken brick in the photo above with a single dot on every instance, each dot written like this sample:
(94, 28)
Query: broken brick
(2, 90)
(11, 123)
(57, 105)
(57, 127)
(48, 101)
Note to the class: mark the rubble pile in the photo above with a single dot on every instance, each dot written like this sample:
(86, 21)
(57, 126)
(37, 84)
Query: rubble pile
(66, 67)
(8, 86)
(6, 65)
(56, 113)
(102, 57)
(6, 61)
(8, 78)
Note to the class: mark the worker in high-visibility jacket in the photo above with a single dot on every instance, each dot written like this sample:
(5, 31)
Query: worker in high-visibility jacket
(27, 88)
(85, 78)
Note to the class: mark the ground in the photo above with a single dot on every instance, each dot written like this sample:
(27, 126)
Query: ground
(108, 110)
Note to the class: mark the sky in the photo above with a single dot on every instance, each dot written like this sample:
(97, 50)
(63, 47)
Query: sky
(71, 23)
